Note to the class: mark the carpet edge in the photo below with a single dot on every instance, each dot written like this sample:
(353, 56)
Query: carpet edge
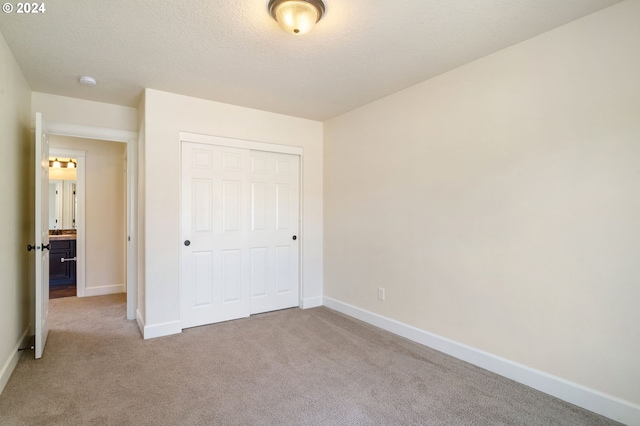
(590, 399)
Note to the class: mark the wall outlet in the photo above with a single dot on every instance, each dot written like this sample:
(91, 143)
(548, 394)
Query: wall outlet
(381, 293)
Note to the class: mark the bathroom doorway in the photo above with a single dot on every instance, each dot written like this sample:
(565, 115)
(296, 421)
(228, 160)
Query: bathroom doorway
(63, 214)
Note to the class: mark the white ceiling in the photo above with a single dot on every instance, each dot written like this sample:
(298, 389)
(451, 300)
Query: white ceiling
(231, 51)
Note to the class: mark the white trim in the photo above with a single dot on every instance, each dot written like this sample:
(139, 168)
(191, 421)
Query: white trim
(240, 143)
(311, 302)
(131, 225)
(302, 301)
(163, 329)
(131, 139)
(104, 290)
(582, 396)
(140, 322)
(88, 132)
(11, 362)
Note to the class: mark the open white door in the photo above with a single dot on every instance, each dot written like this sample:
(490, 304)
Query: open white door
(42, 235)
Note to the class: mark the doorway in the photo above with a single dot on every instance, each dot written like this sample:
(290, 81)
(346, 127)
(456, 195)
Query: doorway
(88, 240)
(62, 226)
(128, 140)
(66, 222)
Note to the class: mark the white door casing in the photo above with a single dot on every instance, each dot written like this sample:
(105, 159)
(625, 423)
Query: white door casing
(240, 214)
(131, 139)
(42, 244)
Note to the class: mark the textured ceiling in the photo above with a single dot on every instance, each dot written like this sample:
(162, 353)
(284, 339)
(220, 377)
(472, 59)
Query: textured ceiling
(233, 52)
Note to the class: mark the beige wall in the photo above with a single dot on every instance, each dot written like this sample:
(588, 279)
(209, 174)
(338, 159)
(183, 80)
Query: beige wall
(62, 173)
(105, 225)
(60, 109)
(498, 203)
(166, 115)
(16, 213)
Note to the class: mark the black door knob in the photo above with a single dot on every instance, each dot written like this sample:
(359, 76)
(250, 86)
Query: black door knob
(187, 243)
(295, 238)
(30, 247)
(48, 247)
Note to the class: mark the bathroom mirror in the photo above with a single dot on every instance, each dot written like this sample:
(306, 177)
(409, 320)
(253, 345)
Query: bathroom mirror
(63, 204)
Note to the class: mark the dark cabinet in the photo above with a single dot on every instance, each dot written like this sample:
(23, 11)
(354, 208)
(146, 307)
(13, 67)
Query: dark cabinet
(62, 272)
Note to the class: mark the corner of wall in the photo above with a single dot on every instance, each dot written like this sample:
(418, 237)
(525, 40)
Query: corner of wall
(141, 212)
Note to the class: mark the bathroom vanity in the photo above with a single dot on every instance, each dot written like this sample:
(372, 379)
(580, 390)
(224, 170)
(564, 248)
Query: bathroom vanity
(62, 259)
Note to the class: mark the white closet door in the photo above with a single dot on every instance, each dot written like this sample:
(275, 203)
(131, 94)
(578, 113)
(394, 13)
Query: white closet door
(240, 212)
(215, 209)
(274, 231)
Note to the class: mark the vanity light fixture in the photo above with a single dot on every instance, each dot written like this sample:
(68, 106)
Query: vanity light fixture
(296, 16)
(57, 164)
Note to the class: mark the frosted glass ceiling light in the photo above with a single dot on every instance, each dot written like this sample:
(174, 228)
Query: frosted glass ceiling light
(71, 164)
(56, 164)
(296, 16)
(87, 80)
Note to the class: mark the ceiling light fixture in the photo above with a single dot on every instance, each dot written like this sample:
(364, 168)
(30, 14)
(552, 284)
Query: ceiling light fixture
(296, 16)
(87, 80)
(56, 164)
(71, 164)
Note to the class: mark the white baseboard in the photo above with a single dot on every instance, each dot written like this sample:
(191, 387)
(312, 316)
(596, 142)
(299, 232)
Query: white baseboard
(11, 362)
(311, 302)
(606, 405)
(140, 322)
(104, 290)
(163, 329)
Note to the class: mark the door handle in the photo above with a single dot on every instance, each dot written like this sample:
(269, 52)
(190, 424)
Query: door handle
(48, 247)
(30, 247)
(187, 243)
(295, 238)
(72, 259)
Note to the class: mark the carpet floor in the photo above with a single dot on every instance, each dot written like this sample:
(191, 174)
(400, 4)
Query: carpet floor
(291, 367)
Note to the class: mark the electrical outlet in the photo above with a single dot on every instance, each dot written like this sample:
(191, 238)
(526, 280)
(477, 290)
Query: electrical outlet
(381, 293)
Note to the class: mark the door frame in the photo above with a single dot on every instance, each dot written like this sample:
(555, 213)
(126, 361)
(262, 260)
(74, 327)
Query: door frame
(255, 146)
(131, 140)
